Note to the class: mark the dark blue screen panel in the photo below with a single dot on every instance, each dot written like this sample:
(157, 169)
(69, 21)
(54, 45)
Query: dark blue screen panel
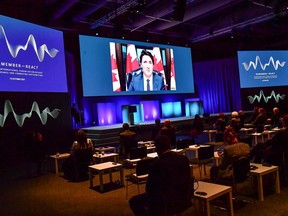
(31, 58)
(263, 68)
(96, 66)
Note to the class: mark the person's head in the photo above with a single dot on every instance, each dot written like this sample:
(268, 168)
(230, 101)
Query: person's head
(167, 123)
(81, 136)
(275, 110)
(125, 126)
(222, 115)
(162, 144)
(197, 117)
(234, 114)
(157, 121)
(261, 110)
(146, 63)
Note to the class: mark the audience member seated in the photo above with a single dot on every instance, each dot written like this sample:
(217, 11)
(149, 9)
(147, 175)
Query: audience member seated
(242, 118)
(207, 121)
(230, 137)
(156, 129)
(169, 130)
(36, 150)
(260, 120)
(197, 127)
(272, 151)
(231, 152)
(76, 165)
(220, 123)
(127, 141)
(275, 120)
(235, 122)
(169, 188)
(253, 116)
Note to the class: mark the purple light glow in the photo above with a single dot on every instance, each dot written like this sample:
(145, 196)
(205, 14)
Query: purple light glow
(106, 113)
(151, 109)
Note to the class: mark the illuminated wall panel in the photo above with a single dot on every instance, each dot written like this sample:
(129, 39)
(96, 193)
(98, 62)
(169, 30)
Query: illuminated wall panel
(171, 109)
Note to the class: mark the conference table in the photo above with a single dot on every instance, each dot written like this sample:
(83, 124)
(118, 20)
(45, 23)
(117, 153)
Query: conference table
(212, 191)
(101, 168)
(265, 134)
(57, 157)
(260, 172)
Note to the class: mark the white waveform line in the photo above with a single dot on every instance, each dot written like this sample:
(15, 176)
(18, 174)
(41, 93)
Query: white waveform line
(266, 99)
(258, 60)
(21, 118)
(40, 53)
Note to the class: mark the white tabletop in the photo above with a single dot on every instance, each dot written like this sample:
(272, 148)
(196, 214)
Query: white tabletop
(152, 155)
(104, 166)
(106, 155)
(60, 156)
(212, 190)
(262, 170)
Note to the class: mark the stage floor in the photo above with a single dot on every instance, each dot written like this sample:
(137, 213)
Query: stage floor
(144, 123)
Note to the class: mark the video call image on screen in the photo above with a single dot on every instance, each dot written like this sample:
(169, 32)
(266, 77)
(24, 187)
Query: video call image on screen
(112, 67)
(32, 57)
(263, 68)
(138, 62)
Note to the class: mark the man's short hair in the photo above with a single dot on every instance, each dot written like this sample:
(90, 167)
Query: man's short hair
(167, 122)
(125, 126)
(145, 52)
(162, 142)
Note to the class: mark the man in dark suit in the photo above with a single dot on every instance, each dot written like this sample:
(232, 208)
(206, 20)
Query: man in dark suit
(146, 79)
(272, 151)
(169, 130)
(169, 188)
(127, 141)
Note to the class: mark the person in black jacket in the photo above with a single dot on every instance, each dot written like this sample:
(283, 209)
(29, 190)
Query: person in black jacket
(169, 188)
(271, 151)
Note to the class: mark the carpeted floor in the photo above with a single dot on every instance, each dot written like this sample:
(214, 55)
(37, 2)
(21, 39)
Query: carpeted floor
(50, 194)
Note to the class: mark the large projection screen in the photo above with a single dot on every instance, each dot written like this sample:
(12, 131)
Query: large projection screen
(106, 62)
(32, 57)
(263, 68)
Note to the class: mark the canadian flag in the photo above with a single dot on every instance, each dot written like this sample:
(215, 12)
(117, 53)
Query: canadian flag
(114, 68)
(131, 58)
(158, 65)
(172, 79)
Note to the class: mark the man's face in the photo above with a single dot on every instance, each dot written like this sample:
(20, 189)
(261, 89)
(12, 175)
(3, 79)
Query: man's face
(147, 66)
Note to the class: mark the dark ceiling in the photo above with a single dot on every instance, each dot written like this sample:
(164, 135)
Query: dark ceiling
(217, 25)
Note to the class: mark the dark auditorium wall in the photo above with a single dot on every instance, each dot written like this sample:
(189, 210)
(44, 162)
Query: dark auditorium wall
(48, 113)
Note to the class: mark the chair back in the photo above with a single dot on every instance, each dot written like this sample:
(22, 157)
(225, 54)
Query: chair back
(82, 159)
(241, 169)
(183, 143)
(206, 152)
(139, 152)
(143, 166)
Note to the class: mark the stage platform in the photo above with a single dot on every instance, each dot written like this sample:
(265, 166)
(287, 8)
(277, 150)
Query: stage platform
(109, 134)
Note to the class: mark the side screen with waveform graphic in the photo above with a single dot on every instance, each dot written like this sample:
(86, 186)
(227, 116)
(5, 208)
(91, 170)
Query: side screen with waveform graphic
(32, 57)
(263, 68)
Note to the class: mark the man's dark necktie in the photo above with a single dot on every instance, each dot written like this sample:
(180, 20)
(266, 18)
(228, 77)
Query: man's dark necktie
(148, 85)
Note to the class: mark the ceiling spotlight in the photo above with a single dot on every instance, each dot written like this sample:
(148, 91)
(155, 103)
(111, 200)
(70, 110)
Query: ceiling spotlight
(97, 33)
(123, 37)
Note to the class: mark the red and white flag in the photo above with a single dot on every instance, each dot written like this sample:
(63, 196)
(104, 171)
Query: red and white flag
(114, 68)
(172, 79)
(158, 64)
(131, 58)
